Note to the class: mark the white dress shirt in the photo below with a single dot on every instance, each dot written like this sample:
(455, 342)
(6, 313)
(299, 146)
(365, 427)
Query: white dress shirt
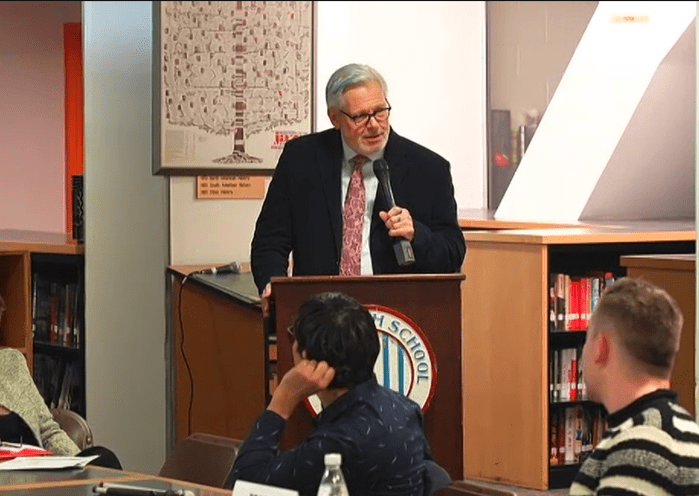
(371, 184)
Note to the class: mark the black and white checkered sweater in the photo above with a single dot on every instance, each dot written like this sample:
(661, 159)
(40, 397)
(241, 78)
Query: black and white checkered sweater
(651, 447)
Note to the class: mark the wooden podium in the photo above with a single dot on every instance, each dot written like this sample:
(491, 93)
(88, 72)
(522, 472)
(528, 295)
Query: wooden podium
(430, 301)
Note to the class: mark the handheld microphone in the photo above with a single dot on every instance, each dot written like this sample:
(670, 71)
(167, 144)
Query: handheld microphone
(231, 268)
(401, 246)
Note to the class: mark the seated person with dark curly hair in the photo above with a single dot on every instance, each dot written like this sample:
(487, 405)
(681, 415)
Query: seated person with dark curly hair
(25, 418)
(378, 432)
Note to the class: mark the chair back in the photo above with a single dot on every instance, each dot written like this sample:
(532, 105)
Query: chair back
(436, 477)
(74, 425)
(469, 488)
(202, 459)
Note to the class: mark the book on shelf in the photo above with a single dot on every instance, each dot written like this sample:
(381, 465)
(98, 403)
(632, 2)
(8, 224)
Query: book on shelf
(565, 375)
(573, 298)
(555, 376)
(41, 310)
(579, 433)
(68, 386)
(553, 428)
(589, 426)
(55, 308)
(561, 437)
(574, 307)
(574, 431)
(560, 302)
(584, 303)
(573, 371)
(47, 375)
(569, 419)
(553, 319)
(568, 302)
(58, 380)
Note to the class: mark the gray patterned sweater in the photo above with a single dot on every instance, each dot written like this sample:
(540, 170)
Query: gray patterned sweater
(19, 394)
(650, 448)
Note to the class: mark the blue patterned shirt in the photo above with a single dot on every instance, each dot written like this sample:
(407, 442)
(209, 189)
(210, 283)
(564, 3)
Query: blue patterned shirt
(378, 432)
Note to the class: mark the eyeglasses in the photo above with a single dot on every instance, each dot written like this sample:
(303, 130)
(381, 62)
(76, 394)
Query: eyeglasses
(363, 119)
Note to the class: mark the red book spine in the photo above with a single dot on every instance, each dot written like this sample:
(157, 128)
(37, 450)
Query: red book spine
(573, 379)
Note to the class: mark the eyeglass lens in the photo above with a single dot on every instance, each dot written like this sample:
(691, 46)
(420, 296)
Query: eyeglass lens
(361, 119)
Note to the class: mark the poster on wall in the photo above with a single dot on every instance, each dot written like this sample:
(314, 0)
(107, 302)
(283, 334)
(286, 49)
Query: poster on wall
(232, 82)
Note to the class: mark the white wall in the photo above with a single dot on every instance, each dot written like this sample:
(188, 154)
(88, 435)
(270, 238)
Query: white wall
(32, 126)
(597, 98)
(126, 239)
(432, 55)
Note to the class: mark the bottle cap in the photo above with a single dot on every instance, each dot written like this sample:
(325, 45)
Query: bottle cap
(333, 458)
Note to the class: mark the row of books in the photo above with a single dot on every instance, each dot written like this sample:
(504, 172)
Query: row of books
(55, 312)
(572, 299)
(58, 381)
(575, 430)
(566, 376)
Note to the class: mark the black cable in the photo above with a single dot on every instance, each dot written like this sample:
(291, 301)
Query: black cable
(184, 357)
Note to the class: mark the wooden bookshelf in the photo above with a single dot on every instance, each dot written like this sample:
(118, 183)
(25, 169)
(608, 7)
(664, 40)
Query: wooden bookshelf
(676, 274)
(39, 242)
(23, 255)
(484, 218)
(506, 336)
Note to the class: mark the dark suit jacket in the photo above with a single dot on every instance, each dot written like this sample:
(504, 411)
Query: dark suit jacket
(302, 211)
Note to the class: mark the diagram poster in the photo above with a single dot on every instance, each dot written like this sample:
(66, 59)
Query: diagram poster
(235, 83)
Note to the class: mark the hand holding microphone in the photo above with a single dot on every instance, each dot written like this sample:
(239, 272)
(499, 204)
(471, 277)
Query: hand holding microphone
(398, 220)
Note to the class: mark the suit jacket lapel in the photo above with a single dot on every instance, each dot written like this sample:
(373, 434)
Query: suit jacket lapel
(329, 162)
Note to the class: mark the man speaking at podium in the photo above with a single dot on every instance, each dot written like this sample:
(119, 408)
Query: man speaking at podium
(328, 207)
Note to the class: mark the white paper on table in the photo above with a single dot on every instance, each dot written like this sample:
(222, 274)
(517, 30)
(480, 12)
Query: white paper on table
(51, 462)
(245, 488)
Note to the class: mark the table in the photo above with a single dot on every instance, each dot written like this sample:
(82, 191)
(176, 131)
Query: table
(80, 481)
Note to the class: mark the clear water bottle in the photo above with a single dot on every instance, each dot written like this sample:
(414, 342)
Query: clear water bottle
(333, 482)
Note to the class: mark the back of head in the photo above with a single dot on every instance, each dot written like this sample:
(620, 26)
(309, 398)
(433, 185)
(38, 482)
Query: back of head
(336, 328)
(646, 320)
(348, 76)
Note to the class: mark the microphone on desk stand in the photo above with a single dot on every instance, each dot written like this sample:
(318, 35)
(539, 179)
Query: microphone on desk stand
(124, 490)
(231, 268)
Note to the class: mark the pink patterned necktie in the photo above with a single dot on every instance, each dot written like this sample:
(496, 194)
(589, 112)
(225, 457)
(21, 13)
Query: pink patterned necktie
(353, 220)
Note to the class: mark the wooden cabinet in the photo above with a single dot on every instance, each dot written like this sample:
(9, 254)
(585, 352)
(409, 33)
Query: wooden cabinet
(28, 260)
(506, 339)
(219, 352)
(15, 323)
(676, 274)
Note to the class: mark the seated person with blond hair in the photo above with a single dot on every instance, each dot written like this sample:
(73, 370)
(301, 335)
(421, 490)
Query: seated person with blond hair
(25, 418)
(651, 446)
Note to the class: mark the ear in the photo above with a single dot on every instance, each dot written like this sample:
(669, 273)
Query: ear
(602, 348)
(334, 117)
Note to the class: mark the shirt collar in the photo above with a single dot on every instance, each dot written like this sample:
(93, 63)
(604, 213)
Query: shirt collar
(637, 406)
(349, 153)
(357, 394)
